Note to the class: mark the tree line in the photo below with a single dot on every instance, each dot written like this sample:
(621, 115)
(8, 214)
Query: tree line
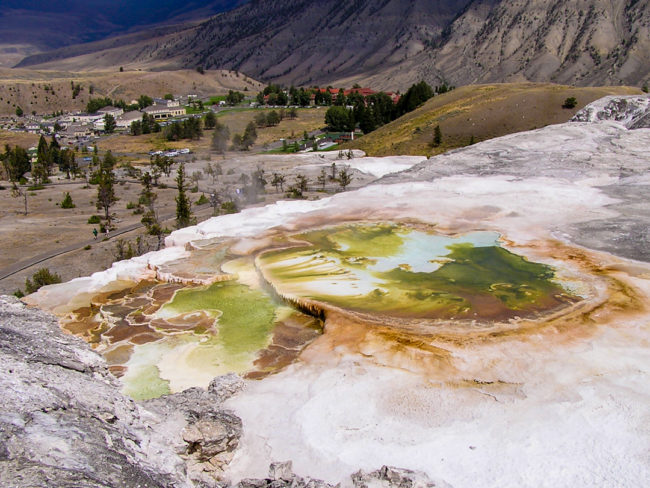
(373, 111)
(16, 161)
(98, 103)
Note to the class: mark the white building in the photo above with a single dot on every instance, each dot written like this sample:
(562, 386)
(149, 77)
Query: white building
(114, 111)
(163, 111)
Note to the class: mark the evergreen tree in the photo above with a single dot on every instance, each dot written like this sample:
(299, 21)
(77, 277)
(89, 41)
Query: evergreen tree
(273, 118)
(109, 124)
(415, 96)
(136, 128)
(67, 201)
(322, 178)
(210, 120)
(150, 218)
(437, 136)
(105, 186)
(16, 162)
(42, 166)
(278, 181)
(68, 162)
(344, 178)
(260, 120)
(183, 204)
(249, 137)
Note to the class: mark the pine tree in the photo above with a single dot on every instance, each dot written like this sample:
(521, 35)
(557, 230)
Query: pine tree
(40, 169)
(183, 204)
(210, 120)
(109, 124)
(344, 178)
(105, 181)
(437, 136)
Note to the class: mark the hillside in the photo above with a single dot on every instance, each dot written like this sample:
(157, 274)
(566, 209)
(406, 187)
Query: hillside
(30, 26)
(482, 112)
(392, 43)
(47, 91)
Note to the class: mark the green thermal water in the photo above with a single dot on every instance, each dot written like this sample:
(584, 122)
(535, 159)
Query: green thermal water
(398, 270)
(245, 316)
(239, 323)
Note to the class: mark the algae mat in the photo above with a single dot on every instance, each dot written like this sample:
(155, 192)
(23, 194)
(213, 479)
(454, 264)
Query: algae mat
(400, 271)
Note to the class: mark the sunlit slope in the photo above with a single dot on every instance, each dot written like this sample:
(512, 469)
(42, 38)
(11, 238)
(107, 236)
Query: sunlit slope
(482, 112)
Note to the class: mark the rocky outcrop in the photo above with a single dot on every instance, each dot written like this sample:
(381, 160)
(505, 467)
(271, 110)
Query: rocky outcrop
(633, 112)
(390, 477)
(202, 434)
(281, 475)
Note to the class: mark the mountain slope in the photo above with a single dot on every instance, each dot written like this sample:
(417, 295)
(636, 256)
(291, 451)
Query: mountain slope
(30, 26)
(392, 43)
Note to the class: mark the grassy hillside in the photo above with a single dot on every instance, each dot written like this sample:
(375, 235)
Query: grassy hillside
(482, 112)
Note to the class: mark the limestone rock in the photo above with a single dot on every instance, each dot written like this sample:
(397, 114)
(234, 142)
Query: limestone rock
(282, 476)
(223, 387)
(632, 111)
(390, 477)
(281, 471)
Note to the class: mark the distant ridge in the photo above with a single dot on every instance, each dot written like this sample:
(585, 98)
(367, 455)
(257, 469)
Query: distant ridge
(392, 43)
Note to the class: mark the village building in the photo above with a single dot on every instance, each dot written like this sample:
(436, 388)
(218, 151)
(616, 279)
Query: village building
(114, 111)
(158, 112)
(77, 131)
(124, 121)
(84, 118)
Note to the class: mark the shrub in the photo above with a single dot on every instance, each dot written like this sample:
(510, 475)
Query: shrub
(570, 102)
(229, 207)
(94, 219)
(131, 206)
(67, 201)
(87, 247)
(202, 200)
(41, 278)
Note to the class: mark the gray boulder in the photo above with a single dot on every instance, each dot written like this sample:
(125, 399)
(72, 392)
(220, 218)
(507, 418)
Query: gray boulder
(390, 477)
